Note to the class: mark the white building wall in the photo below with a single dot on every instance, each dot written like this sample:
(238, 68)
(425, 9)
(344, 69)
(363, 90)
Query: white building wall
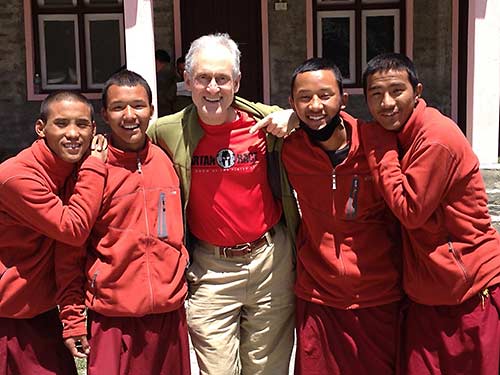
(483, 91)
(139, 41)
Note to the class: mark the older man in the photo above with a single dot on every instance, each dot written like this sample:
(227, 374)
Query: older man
(238, 209)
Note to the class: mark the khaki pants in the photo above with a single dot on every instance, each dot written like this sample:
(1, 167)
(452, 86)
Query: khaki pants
(241, 310)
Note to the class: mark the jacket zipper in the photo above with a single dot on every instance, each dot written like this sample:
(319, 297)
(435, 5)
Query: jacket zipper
(162, 217)
(148, 234)
(340, 257)
(461, 264)
(139, 165)
(93, 287)
(352, 202)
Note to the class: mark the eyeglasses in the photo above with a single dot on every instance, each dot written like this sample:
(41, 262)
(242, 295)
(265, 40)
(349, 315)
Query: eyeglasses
(205, 80)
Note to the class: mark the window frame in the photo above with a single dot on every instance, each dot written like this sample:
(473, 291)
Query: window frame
(359, 7)
(379, 12)
(350, 14)
(31, 33)
(42, 58)
(89, 17)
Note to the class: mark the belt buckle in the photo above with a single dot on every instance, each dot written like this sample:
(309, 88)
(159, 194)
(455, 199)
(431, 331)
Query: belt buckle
(242, 246)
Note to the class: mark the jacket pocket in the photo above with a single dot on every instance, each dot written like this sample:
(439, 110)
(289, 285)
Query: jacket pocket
(162, 216)
(458, 261)
(169, 224)
(351, 209)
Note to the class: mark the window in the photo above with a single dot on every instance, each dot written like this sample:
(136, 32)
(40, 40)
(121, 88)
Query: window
(78, 44)
(351, 32)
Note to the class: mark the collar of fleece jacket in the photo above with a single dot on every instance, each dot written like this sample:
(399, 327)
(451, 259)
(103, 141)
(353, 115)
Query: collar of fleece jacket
(129, 159)
(56, 168)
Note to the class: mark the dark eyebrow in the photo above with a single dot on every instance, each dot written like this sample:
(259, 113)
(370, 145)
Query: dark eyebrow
(135, 101)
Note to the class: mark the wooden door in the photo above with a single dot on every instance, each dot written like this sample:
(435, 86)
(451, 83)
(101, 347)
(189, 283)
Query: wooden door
(242, 21)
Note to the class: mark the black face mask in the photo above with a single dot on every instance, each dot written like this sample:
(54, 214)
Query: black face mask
(324, 133)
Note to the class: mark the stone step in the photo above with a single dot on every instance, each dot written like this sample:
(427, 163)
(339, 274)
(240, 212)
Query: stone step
(491, 176)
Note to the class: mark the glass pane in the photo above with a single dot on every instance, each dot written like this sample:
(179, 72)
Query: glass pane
(106, 51)
(380, 35)
(60, 53)
(56, 3)
(335, 42)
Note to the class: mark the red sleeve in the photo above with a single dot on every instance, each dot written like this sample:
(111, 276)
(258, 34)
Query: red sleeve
(35, 205)
(70, 281)
(412, 195)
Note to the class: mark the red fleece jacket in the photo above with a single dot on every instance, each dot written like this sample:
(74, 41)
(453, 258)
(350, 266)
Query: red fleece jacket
(348, 245)
(135, 260)
(451, 251)
(32, 216)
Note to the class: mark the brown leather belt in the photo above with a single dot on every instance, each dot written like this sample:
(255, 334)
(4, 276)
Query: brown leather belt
(240, 250)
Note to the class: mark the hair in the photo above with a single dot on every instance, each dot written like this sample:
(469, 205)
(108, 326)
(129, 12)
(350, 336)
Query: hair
(125, 78)
(314, 64)
(58, 96)
(390, 61)
(162, 55)
(211, 41)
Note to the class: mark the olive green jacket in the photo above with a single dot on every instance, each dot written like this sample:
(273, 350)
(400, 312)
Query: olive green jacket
(179, 134)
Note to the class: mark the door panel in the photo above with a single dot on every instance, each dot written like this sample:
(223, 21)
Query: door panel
(241, 20)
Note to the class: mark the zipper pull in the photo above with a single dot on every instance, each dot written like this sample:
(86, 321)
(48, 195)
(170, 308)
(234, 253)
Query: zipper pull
(334, 181)
(93, 285)
(139, 165)
(485, 293)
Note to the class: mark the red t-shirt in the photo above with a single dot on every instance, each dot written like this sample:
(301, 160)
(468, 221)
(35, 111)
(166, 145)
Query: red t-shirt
(230, 201)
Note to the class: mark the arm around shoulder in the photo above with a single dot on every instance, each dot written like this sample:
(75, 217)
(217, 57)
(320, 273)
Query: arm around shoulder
(414, 193)
(30, 200)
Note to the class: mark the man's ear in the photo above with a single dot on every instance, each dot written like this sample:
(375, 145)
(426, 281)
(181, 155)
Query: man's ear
(418, 90)
(40, 128)
(187, 81)
(345, 99)
(237, 83)
(104, 115)
(94, 128)
(292, 105)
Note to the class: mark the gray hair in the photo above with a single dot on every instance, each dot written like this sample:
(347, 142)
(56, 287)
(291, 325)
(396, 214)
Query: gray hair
(210, 41)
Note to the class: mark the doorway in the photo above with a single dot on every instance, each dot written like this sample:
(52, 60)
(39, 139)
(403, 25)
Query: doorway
(242, 21)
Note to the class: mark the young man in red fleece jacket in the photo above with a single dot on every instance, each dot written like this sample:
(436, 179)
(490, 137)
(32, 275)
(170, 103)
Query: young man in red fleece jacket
(131, 276)
(348, 245)
(429, 177)
(32, 216)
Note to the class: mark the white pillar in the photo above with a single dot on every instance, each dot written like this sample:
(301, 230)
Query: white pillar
(483, 72)
(140, 42)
